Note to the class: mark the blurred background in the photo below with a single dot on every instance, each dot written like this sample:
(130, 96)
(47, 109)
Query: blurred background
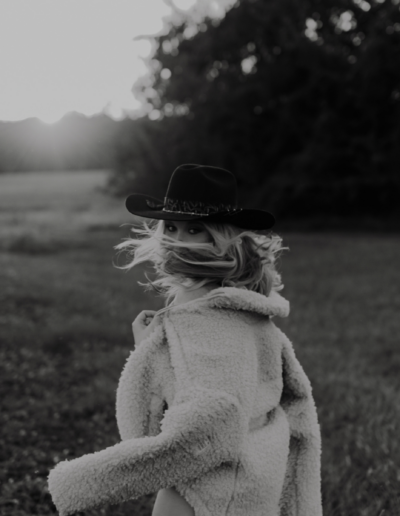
(301, 100)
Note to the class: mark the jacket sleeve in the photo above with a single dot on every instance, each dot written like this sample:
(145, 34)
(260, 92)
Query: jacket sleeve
(203, 429)
(302, 490)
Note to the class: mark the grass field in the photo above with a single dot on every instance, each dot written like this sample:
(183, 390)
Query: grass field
(65, 334)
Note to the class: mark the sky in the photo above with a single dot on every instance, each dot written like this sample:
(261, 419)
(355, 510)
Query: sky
(58, 56)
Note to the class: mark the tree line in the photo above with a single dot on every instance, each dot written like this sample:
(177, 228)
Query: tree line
(76, 142)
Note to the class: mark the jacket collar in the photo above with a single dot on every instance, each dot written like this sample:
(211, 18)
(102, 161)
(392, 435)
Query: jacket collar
(237, 299)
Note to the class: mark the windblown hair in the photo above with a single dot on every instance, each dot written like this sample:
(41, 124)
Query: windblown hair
(234, 258)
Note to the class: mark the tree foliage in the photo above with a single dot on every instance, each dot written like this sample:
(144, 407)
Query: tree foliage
(299, 98)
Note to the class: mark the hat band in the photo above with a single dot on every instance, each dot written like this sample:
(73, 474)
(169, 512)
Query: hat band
(195, 207)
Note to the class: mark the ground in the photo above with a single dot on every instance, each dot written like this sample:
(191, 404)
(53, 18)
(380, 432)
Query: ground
(65, 326)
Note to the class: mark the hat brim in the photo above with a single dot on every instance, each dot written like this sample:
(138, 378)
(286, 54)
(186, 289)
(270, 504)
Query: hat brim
(152, 208)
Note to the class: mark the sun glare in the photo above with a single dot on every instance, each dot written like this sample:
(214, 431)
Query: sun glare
(73, 55)
(79, 55)
(50, 119)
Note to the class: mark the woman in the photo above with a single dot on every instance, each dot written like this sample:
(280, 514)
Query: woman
(215, 411)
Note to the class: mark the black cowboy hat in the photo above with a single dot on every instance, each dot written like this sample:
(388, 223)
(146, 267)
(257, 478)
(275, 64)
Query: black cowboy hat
(199, 192)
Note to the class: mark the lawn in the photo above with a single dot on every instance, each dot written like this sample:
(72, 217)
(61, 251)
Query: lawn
(65, 334)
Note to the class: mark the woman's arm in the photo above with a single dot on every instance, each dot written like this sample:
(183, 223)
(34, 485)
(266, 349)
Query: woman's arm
(203, 428)
(197, 435)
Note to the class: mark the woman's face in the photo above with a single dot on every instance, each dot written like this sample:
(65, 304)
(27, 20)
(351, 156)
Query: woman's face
(187, 231)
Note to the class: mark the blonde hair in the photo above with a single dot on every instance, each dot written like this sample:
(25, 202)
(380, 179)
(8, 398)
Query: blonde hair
(235, 258)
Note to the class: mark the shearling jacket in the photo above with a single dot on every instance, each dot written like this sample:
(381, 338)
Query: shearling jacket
(214, 403)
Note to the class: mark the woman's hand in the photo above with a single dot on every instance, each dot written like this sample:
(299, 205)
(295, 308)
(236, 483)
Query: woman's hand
(143, 325)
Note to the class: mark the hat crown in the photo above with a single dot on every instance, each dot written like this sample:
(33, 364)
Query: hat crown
(204, 184)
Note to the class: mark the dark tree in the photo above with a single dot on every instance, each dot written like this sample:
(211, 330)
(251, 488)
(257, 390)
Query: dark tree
(299, 98)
